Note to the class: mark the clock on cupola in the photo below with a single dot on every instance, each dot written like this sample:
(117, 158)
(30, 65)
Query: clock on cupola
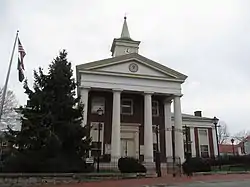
(124, 45)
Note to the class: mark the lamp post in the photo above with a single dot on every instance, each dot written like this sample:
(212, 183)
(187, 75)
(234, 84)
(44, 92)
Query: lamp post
(173, 149)
(232, 141)
(158, 159)
(100, 113)
(186, 142)
(215, 122)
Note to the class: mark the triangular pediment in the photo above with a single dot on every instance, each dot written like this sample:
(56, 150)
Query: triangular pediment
(132, 64)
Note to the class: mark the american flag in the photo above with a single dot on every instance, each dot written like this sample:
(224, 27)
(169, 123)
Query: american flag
(21, 56)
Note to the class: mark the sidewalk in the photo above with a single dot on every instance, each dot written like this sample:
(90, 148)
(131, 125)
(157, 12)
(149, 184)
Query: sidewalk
(155, 181)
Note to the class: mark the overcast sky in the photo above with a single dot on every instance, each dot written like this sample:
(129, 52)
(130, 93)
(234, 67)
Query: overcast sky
(207, 40)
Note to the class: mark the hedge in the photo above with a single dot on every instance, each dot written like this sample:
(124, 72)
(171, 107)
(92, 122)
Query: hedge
(130, 165)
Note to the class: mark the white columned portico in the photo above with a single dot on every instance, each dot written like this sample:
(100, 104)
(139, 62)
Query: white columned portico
(192, 138)
(84, 91)
(215, 142)
(168, 127)
(179, 146)
(116, 126)
(148, 129)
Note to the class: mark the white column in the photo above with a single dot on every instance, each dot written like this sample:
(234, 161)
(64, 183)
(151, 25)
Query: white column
(137, 146)
(179, 145)
(148, 131)
(192, 139)
(84, 100)
(168, 127)
(116, 127)
(215, 142)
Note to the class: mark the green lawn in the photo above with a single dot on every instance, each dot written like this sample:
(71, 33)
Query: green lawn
(230, 168)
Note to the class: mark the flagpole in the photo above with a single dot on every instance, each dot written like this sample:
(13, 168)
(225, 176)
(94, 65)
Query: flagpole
(7, 78)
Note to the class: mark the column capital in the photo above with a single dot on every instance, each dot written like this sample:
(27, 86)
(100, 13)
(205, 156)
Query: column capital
(117, 90)
(168, 100)
(85, 87)
(148, 93)
(178, 95)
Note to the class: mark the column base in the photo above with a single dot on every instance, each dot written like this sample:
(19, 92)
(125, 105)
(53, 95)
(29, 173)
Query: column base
(148, 160)
(151, 171)
(114, 159)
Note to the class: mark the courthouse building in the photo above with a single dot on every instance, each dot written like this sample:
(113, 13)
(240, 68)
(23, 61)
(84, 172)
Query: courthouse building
(128, 96)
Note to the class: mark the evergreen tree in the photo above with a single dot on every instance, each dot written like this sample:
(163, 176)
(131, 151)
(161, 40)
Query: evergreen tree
(51, 137)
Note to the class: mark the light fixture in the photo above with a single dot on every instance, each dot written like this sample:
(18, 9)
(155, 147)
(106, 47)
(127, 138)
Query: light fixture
(100, 112)
(215, 120)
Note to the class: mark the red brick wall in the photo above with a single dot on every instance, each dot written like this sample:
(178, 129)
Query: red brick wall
(196, 138)
(211, 142)
(137, 117)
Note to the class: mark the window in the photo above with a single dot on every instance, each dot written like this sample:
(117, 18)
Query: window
(96, 149)
(154, 129)
(203, 132)
(155, 108)
(204, 151)
(96, 146)
(4, 144)
(127, 106)
(187, 140)
(97, 102)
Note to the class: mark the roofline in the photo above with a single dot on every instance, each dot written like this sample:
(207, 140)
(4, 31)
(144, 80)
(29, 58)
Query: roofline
(130, 56)
(195, 118)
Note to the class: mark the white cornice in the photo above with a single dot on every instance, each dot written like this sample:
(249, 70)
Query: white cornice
(130, 76)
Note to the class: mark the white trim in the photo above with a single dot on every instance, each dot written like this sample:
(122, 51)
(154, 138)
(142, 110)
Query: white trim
(130, 84)
(130, 75)
(84, 93)
(193, 144)
(208, 143)
(214, 142)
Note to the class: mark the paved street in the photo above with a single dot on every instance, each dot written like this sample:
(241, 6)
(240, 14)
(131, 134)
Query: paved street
(235, 180)
(236, 183)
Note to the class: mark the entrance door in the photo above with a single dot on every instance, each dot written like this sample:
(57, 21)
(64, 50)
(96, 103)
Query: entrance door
(127, 148)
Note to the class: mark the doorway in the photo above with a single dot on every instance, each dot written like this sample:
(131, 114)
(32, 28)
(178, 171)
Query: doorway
(127, 148)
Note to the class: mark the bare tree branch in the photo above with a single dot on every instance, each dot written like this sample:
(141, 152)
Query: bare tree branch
(9, 116)
(10, 101)
(241, 135)
(223, 133)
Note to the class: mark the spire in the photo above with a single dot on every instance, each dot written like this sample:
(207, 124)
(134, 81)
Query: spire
(125, 32)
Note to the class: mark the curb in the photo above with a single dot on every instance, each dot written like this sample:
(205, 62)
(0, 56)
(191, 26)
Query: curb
(221, 173)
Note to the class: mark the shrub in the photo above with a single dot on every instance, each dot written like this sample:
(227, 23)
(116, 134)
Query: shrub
(233, 160)
(130, 165)
(59, 164)
(196, 165)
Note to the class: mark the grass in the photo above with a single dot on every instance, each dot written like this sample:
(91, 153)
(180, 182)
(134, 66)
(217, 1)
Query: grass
(230, 168)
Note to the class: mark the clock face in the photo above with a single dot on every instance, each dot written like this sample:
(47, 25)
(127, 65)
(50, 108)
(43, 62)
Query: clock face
(127, 50)
(133, 67)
